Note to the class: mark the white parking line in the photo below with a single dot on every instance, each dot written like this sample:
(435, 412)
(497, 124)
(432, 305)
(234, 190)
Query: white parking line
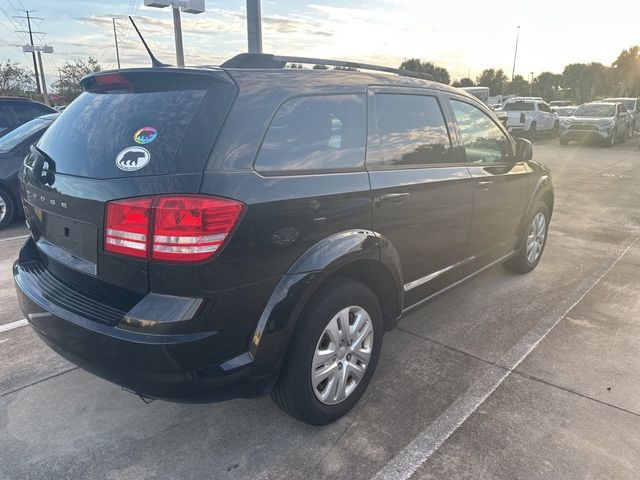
(420, 449)
(10, 326)
(21, 237)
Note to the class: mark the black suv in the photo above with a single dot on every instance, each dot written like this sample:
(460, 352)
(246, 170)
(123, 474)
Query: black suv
(14, 111)
(207, 233)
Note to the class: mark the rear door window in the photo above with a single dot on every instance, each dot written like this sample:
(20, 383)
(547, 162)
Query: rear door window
(4, 121)
(27, 112)
(319, 133)
(99, 128)
(411, 131)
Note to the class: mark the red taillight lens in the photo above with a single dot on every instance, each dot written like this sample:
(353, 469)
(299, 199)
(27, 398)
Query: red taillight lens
(192, 228)
(178, 228)
(127, 226)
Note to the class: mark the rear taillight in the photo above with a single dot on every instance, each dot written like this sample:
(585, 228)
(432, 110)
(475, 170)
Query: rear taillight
(127, 226)
(176, 228)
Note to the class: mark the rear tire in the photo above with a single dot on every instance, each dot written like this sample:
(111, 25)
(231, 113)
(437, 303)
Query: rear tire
(555, 131)
(298, 391)
(7, 208)
(611, 141)
(535, 238)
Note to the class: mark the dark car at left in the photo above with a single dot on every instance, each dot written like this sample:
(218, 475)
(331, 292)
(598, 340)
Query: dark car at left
(14, 146)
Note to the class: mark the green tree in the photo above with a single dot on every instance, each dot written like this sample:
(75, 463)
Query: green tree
(546, 85)
(68, 87)
(463, 82)
(15, 80)
(440, 74)
(626, 72)
(587, 81)
(518, 86)
(494, 79)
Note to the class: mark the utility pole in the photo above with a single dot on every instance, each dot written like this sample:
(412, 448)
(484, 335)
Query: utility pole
(40, 49)
(115, 37)
(254, 26)
(513, 72)
(187, 6)
(177, 33)
(28, 18)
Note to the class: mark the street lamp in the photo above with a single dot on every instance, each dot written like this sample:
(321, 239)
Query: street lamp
(187, 6)
(39, 50)
(531, 86)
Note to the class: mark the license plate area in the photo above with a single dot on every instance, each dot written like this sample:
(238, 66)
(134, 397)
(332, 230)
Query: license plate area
(69, 241)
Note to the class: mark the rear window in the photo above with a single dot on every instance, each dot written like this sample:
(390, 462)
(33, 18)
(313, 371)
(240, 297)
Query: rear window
(22, 133)
(105, 135)
(519, 106)
(317, 133)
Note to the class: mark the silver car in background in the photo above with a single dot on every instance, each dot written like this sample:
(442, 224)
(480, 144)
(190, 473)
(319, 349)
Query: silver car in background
(604, 121)
(633, 107)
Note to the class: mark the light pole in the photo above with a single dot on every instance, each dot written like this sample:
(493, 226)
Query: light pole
(531, 86)
(39, 50)
(515, 54)
(187, 6)
(254, 26)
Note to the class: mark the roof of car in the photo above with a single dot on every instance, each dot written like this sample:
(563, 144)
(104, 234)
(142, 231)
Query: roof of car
(17, 99)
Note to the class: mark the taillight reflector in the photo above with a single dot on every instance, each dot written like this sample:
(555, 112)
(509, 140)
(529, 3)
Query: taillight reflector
(179, 228)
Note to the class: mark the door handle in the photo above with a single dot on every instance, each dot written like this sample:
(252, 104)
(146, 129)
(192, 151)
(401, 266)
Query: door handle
(392, 197)
(484, 184)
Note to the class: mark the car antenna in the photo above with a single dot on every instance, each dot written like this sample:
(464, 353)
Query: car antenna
(154, 61)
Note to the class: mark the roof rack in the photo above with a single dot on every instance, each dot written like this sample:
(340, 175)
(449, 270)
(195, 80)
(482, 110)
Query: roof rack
(267, 60)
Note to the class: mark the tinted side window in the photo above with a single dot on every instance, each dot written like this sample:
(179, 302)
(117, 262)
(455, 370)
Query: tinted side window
(28, 112)
(543, 107)
(411, 131)
(325, 132)
(483, 141)
(4, 121)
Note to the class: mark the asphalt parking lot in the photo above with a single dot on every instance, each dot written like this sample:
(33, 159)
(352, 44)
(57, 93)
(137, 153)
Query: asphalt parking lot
(506, 377)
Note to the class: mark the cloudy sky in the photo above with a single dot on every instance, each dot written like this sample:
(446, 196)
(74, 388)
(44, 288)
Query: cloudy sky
(465, 36)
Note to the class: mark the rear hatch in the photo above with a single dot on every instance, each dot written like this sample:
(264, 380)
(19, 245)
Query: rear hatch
(131, 133)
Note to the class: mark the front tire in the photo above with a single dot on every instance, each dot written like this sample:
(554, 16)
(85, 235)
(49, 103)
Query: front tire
(555, 131)
(533, 244)
(7, 208)
(333, 354)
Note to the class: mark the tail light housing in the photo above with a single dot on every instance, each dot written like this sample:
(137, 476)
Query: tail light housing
(171, 228)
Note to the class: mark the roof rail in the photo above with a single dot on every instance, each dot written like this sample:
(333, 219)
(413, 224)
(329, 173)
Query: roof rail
(267, 60)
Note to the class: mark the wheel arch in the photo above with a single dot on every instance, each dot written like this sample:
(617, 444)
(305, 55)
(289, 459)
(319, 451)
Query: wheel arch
(361, 255)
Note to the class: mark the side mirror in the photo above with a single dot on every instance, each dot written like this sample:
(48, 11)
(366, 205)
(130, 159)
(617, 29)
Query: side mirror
(524, 150)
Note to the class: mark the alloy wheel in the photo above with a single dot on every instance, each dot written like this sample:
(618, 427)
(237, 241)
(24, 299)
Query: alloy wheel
(3, 209)
(536, 237)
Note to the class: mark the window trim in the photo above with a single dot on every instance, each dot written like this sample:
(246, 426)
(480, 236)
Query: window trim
(290, 173)
(454, 97)
(400, 90)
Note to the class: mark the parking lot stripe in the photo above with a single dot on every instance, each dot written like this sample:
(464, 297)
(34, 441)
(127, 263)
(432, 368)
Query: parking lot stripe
(10, 326)
(425, 444)
(21, 237)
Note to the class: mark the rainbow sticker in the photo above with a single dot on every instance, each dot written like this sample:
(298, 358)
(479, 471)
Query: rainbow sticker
(145, 135)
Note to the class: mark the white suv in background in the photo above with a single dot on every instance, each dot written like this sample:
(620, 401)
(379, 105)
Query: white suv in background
(529, 116)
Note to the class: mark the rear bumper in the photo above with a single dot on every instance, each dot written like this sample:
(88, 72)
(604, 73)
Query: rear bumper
(189, 367)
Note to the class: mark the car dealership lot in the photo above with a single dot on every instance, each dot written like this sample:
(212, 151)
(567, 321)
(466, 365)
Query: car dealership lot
(507, 376)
